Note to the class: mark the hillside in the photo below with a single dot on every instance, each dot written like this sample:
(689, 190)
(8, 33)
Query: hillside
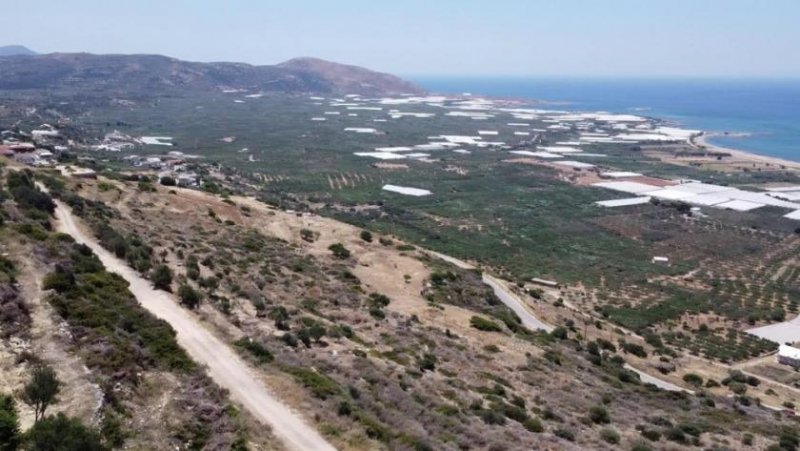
(16, 50)
(350, 78)
(145, 75)
(380, 346)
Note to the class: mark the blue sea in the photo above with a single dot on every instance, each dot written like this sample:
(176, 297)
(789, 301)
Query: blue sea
(766, 112)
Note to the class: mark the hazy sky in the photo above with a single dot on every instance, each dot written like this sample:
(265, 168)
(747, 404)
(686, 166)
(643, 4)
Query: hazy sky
(511, 37)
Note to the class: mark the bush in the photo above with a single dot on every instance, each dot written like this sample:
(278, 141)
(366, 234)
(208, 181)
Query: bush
(168, 181)
(366, 236)
(256, 349)
(651, 434)
(320, 385)
(599, 415)
(189, 296)
(427, 362)
(634, 349)
(162, 278)
(9, 424)
(560, 333)
(566, 434)
(61, 280)
(610, 436)
(693, 379)
(308, 235)
(132, 339)
(533, 424)
(58, 433)
(484, 324)
(339, 251)
(676, 435)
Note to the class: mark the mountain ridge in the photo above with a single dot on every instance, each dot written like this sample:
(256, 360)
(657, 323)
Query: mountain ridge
(16, 50)
(147, 74)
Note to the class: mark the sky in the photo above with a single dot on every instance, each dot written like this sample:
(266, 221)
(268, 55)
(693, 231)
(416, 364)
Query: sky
(616, 38)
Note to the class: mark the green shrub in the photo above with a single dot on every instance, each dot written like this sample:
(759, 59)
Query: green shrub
(162, 278)
(635, 349)
(566, 434)
(320, 385)
(693, 379)
(427, 362)
(599, 415)
(189, 296)
(256, 349)
(62, 433)
(484, 324)
(308, 235)
(168, 181)
(651, 434)
(366, 236)
(131, 337)
(560, 333)
(610, 436)
(61, 280)
(533, 424)
(339, 251)
(9, 424)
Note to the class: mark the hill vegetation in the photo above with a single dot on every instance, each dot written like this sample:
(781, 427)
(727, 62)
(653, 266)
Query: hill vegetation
(150, 75)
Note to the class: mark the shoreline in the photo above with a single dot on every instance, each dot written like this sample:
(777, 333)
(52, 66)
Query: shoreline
(701, 142)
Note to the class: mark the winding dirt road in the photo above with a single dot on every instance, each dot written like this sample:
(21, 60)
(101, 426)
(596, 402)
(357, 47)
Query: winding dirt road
(223, 365)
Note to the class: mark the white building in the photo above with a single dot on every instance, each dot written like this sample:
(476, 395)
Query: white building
(789, 355)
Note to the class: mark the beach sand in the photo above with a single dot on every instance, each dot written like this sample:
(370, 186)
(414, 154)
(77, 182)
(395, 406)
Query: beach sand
(741, 156)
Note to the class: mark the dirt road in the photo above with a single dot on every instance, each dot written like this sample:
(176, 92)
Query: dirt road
(223, 365)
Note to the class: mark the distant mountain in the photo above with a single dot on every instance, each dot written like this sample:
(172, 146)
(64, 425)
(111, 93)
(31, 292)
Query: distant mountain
(350, 78)
(145, 75)
(16, 50)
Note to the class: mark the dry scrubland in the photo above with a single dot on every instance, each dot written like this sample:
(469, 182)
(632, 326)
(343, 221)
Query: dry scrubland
(379, 346)
(121, 372)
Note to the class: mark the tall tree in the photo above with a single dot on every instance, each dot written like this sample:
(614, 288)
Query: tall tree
(41, 390)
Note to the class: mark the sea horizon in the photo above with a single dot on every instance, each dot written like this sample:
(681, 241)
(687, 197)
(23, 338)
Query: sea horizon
(753, 114)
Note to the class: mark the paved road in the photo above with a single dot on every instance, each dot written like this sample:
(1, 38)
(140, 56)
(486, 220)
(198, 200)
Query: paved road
(660, 383)
(516, 304)
(223, 365)
(505, 295)
(531, 322)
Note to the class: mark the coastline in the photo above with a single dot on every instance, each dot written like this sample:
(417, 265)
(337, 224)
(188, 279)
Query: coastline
(701, 142)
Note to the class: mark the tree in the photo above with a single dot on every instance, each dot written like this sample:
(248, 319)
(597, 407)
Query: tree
(60, 433)
(9, 424)
(317, 331)
(41, 390)
(168, 181)
(189, 296)
(162, 278)
(281, 317)
(366, 236)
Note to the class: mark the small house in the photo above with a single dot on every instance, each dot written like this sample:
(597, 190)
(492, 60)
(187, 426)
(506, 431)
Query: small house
(789, 355)
(545, 282)
(187, 179)
(29, 159)
(663, 261)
